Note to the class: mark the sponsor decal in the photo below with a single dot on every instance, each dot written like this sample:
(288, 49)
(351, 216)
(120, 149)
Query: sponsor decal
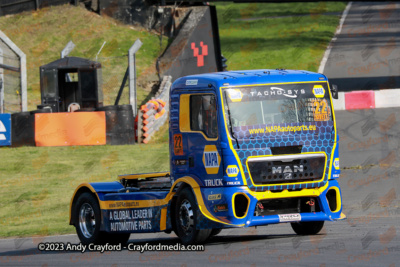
(321, 110)
(211, 159)
(213, 182)
(292, 93)
(235, 95)
(318, 91)
(130, 220)
(277, 128)
(294, 217)
(233, 183)
(180, 162)
(232, 170)
(336, 163)
(214, 197)
(220, 207)
(191, 82)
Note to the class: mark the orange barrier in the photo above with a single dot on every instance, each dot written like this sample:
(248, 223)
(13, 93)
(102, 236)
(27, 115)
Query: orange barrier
(70, 129)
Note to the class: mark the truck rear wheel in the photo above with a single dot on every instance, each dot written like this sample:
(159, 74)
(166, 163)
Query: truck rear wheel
(307, 228)
(185, 219)
(88, 221)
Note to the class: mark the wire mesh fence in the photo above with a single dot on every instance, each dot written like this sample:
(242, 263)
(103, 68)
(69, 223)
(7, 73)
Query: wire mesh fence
(113, 71)
(10, 80)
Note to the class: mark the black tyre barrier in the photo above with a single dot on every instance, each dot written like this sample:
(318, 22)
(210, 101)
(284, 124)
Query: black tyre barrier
(119, 124)
(22, 129)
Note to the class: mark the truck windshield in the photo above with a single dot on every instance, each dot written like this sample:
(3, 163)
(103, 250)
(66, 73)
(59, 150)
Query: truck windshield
(258, 109)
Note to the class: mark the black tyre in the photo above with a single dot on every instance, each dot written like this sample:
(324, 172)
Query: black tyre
(307, 228)
(215, 232)
(185, 219)
(88, 220)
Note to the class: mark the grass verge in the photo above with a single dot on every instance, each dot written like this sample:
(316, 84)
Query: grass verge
(37, 183)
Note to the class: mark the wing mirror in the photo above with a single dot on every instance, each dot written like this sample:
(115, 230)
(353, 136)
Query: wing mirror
(334, 91)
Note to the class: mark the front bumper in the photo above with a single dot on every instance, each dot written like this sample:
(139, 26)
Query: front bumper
(327, 211)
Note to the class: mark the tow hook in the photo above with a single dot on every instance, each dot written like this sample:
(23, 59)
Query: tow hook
(311, 202)
(259, 209)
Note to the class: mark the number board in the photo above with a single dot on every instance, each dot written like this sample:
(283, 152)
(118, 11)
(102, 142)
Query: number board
(178, 148)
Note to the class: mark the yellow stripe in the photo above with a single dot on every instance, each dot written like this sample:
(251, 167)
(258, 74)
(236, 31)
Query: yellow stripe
(163, 219)
(233, 205)
(251, 85)
(236, 155)
(134, 204)
(143, 175)
(73, 196)
(338, 199)
(238, 162)
(306, 192)
(200, 202)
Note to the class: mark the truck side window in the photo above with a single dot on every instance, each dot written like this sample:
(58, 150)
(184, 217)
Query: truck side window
(203, 114)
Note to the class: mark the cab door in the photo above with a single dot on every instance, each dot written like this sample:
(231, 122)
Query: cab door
(198, 127)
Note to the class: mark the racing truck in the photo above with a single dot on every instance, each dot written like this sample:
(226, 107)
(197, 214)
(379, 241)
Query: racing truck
(246, 148)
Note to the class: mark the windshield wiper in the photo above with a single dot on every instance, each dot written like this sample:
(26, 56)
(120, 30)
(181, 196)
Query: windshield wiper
(230, 121)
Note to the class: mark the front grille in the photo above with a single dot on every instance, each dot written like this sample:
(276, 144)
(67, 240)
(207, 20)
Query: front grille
(287, 169)
(286, 205)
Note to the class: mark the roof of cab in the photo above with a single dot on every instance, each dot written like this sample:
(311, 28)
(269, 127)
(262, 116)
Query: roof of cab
(247, 77)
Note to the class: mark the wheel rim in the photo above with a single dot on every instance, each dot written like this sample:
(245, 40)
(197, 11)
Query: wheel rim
(186, 217)
(87, 220)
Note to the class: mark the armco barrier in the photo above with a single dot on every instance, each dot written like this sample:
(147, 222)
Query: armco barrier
(5, 129)
(154, 113)
(69, 129)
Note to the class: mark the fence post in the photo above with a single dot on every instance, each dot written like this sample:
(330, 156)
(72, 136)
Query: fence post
(132, 74)
(1, 84)
(67, 49)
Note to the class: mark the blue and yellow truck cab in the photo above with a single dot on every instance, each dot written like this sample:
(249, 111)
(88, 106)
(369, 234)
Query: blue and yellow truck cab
(247, 148)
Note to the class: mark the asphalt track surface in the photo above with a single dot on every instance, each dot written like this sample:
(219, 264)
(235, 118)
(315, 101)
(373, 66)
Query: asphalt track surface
(366, 53)
(369, 152)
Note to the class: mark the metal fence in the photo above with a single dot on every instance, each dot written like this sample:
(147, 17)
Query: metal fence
(12, 77)
(8, 7)
(113, 70)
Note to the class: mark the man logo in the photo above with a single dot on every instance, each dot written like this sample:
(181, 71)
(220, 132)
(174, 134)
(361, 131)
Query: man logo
(211, 159)
(287, 175)
(287, 169)
(318, 91)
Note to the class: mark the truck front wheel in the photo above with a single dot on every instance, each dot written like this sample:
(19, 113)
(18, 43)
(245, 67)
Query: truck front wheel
(88, 221)
(307, 228)
(185, 219)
